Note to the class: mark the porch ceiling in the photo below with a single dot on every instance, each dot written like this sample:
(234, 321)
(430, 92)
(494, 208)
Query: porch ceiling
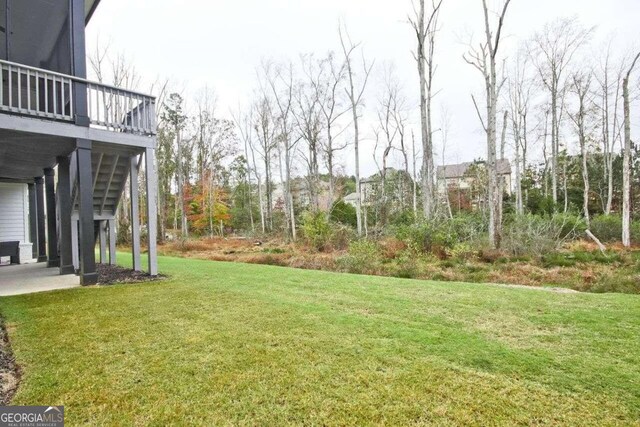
(23, 156)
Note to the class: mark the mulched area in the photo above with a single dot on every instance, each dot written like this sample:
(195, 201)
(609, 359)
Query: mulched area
(113, 274)
(9, 370)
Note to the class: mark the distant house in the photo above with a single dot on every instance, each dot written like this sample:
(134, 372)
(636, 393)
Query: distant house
(463, 176)
(301, 194)
(351, 199)
(398, 189)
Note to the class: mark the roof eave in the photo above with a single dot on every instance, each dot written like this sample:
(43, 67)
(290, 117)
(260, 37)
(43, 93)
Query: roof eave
(90, 12)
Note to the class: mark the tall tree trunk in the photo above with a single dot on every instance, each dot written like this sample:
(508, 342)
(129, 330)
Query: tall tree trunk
(500, 179)
(565, 187)
(184, 229)
(248, 184)
(269, 206)
(585, 180)
(414, 177)
(494, 198)
(425, 33)
(606, 143)
(554, 143)
(610, 184)
(356, 148)
(581, 85)
(329, 154)
(519, 203)
(525, 146)
(355, 100)
(626, 165)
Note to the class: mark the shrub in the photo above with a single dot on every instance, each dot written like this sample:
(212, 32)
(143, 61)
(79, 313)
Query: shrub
(274, 251)
(461, 250)
(341, 235)
(316, 229)
(535, 235)
(343, 213)
(363, 257)
(405, 217)
(391, 248)
(442, 235)
(607, 228)
(490, 256)
(635, 232)
(406, 264)
(571, 226)
(627, 284)
(556, 259)
(539, 204)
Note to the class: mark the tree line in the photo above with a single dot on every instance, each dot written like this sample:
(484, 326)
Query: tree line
(560, 113)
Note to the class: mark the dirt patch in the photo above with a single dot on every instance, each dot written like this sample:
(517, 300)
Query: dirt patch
(539, 288)
(113, 274)
(9, 370)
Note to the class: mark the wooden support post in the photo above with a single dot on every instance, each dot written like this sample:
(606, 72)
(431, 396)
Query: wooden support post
(64, 202)
(79, 62)
(75, 250)
(102, 232)
(88, 274)
(112, 241)
(135, 214)
(52, 233)
(33, 220)
(152, 210)
(42, 243)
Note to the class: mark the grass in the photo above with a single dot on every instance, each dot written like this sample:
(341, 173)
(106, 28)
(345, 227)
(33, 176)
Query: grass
(240, 344)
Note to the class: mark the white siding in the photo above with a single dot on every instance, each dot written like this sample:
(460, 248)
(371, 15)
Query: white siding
(14, 212)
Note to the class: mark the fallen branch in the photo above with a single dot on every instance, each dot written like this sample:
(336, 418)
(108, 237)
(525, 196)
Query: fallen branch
(596, 240)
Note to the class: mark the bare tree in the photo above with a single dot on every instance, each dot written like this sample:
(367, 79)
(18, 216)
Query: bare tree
(445, 125)
(280, 83)
(177, 120)
(553, 50)
(609, 91)
(328, 87)
(355, 94)
(626, 162)
(390, 127)
(414, 173)
(243, 124)
(484, 58)
(425, 29)
(581, 83)
(265, 127)
(308, 117)
(519, 93)
(400, 120)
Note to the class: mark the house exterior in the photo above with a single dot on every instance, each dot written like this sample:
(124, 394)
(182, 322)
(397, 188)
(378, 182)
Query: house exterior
(463, 176)
(398, 189)
(68, 144)
(301, 194)
(14, 219)
(351, 199)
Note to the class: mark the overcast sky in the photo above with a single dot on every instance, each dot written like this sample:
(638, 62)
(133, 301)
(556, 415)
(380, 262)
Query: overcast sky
(219, 43)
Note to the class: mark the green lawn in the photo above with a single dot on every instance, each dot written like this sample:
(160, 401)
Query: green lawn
(239, 344)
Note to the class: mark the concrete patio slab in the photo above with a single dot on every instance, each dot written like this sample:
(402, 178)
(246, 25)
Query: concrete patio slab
(30, 278)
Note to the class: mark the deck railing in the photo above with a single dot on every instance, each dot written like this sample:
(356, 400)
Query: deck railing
(46, 94)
